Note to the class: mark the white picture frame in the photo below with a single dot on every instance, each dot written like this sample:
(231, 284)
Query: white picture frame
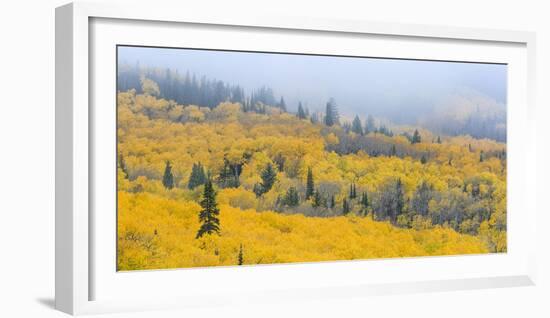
(79, 256)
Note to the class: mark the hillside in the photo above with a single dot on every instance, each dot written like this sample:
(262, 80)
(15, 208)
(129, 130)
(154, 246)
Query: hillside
(286, 186)
(464, 110)
(156, 232)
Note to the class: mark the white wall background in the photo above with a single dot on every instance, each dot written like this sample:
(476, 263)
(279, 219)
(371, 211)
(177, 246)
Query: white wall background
(27, 159)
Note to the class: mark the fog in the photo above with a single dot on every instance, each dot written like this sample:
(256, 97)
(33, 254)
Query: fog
(400, 90)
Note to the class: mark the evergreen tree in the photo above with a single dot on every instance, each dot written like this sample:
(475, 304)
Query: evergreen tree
(122, 165)
(202, 176)
(252, 103)
(331, 114)
(391, 202)
(197, 177)
(421, 198)
(257, 189)
(393, 151)
(269, 176)
(229, 175)
(332, 202)
(370, 126)
(168, 178)
(189, 90)
(399, 200)
(438, 139)
(301, 113)
(352, 191)
(317, 200)
(209, 215)
(423, 159)
(345, 207)
(481, 156)
(310, 185)
(365, 202)
(291, 197)
(347, 127)
(356, 126)
(384, 131)
(416, 137)
(282, 104)
(240, 257)
(314, 119)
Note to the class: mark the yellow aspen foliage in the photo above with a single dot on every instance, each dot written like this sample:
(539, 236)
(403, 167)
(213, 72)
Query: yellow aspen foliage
(155, 232)
(464, 213)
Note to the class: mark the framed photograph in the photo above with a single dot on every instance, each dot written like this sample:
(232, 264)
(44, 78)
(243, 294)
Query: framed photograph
(205, 160)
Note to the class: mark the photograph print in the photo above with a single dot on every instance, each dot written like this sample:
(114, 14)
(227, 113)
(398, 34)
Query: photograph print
(230, 158)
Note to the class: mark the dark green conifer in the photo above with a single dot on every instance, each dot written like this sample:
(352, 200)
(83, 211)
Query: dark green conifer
(168, 178)
(416, 137)
(282, 104)
(356, 126)
(423, 159)
(269, 176)
(331, 114)
(301, 113)
(310, 185)
(240, 257)
(229, 175)
(345, 207)
(370, 126)
(197, 177)
(257, 189)
(291, 197)
(365, 200)
(209, 215)
(399, 200)
(332, 202)
(393, 151)
(317, 200)
(352, 191)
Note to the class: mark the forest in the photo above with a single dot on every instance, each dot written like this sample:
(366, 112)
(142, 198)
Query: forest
(209, 176)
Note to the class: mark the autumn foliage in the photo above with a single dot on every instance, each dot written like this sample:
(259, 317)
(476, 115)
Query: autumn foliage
(289, 189)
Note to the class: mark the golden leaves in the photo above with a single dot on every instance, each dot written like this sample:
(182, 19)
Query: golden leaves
(157, 227)
(267, 237)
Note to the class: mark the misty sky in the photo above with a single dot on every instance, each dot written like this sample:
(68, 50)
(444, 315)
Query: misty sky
(382, 87)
